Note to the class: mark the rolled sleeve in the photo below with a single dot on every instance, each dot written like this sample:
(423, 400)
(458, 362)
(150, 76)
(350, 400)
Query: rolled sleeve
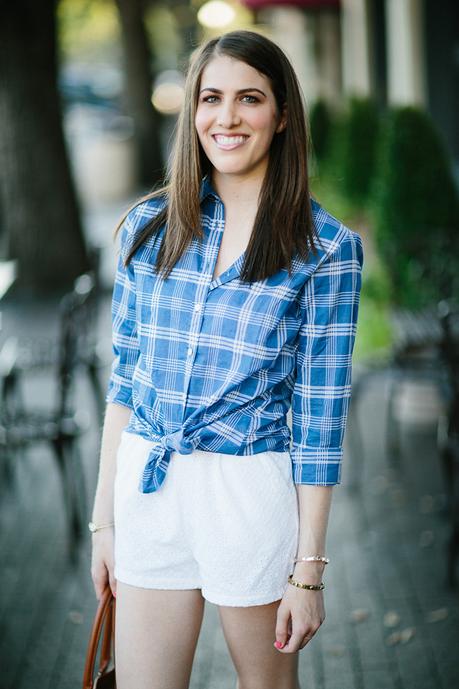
(320, 398)
(125, 342)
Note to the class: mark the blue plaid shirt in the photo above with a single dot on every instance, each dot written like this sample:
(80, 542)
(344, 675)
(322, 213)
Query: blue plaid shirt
(215, 364)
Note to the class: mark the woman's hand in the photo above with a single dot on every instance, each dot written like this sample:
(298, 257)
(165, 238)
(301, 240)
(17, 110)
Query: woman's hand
(299, 616)
(102, 562)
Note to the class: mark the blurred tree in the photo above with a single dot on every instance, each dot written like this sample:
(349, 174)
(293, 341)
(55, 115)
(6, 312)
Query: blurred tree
(138, 88)
(417, 210)
(320, 123)
(39, 207)
(359, 142)
(187, 27)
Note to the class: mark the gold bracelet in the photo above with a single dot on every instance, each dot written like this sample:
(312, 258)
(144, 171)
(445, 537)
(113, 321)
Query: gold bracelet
(95, 527)
(312, 558)
(310, 587)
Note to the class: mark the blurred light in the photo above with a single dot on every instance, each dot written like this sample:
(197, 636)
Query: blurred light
(168, 98)
(168, 92)
(216, 14)
(107, 82)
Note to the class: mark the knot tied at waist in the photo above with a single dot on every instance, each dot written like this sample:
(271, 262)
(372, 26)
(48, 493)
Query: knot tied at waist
(159, 457)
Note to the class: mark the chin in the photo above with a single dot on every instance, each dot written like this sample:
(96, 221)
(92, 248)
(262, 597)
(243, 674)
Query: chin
(228, 168)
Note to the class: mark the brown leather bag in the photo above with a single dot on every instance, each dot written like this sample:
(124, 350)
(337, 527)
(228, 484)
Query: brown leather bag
(103, 627)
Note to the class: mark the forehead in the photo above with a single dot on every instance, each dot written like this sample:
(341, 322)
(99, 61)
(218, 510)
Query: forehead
(223, 71)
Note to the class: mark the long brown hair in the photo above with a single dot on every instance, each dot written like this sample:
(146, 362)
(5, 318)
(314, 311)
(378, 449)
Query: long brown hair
(283, 224)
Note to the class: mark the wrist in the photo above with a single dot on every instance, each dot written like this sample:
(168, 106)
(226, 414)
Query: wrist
(103, 512)
(95, 527)
(309, 585)
(312, 572)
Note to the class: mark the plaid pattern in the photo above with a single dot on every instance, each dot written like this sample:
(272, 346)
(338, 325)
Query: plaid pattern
(216, 364)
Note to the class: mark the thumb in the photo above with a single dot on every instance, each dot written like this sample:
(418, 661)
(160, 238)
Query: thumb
(111, 578)
(283, 616)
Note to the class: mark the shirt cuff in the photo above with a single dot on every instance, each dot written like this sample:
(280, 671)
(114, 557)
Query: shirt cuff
(317, 466)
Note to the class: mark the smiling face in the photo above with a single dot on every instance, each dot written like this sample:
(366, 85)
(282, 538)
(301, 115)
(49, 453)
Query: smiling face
(236, 118)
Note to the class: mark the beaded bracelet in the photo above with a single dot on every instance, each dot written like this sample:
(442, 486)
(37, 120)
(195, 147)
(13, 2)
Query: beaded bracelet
(96, 527)
(313, 558)
(310, 587)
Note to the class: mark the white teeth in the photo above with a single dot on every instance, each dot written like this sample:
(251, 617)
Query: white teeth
(226, 140)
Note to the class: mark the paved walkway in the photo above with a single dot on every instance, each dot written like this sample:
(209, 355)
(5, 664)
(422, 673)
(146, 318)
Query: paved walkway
(391, 622)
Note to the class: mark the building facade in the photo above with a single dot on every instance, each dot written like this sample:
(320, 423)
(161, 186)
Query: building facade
(398, 52)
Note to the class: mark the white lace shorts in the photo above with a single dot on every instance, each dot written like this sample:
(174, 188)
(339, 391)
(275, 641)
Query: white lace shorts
(226, 524)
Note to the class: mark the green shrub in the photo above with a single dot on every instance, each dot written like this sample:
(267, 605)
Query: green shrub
(320, 122)
(416, 210)
(359, 137)
(374, 333)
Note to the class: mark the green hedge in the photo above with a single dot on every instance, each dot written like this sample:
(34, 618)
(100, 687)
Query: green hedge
(321, 124)
(348, 149)
(416, 210)
(359, 138)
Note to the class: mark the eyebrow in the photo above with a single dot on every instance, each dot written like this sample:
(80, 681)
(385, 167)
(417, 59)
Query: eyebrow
(209, 88)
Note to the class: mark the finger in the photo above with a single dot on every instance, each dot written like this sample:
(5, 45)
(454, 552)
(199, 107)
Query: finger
(306, 640)
(112, 583)
(99, 579)
(282, 631)
(99, 589)
(109, 579)
(310, 633)
(295, 641)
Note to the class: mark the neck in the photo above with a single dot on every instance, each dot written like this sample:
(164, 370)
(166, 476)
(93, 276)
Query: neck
(236, 190)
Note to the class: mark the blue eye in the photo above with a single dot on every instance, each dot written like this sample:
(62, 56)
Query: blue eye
(247, 98)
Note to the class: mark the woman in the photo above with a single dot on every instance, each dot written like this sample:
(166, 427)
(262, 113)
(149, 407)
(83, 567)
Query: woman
(246, 305)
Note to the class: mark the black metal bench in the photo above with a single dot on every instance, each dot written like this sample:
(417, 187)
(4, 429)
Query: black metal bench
(448, 436)
(60, 424)
(415, 353)
(426, 346)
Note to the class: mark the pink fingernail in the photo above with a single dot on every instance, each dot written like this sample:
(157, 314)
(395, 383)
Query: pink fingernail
(279, 644)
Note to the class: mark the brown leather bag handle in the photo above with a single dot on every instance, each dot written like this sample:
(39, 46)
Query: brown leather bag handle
(105, 618)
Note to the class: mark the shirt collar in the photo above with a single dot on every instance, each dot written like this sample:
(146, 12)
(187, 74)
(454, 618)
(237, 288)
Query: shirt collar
(207, 188)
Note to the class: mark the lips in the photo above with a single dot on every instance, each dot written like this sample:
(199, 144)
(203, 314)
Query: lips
(227, 143)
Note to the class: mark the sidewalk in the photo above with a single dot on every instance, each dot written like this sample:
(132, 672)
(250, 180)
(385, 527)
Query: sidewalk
(391, 621)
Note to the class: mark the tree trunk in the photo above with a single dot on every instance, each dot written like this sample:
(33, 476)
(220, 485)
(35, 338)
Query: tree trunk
(185, 17)
(138, 88)
(37, 199)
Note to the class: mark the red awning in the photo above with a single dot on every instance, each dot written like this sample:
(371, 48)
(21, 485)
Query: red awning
(307, 4)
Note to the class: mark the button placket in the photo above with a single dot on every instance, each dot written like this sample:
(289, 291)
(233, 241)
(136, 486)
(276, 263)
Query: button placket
(195, 330)
(217, 230)
(216, 233)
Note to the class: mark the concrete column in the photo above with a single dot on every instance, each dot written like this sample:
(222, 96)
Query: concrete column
(293, 31)
(355, 47)
(405, 52)
(328, 57)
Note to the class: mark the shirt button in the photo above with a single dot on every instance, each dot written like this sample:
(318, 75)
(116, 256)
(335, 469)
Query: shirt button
(190, 351)
(197, 307)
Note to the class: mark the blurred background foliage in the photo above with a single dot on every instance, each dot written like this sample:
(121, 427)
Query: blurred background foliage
(89, 31)
(387, 174)
(381, 168)
(416, 210)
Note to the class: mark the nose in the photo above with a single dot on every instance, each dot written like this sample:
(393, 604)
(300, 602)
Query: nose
(228, 115)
